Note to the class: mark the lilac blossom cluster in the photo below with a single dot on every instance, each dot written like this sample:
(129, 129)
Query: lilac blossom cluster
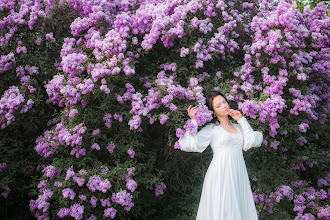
(306, 200)
(41, 205)
(76, 211)
(17, 14)
(301, 162)
(6, 61)
(96, 183)
(282, 32)
(22, 14)
(61, 135)
(123, 198)
(2, 166)
(160, 189)
(51, 172)
(6, 191)
(110, 212)
(10, 102)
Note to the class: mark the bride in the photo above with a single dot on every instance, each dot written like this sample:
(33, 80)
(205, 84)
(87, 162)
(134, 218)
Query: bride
(226, 193)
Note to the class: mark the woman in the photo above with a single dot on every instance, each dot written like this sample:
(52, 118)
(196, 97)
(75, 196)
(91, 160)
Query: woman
(226, 193)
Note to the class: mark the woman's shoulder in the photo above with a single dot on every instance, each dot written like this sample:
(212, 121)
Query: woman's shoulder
(237, 125)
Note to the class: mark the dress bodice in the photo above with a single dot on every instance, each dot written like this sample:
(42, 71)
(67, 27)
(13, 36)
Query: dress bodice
(224, 140)
(220, 139)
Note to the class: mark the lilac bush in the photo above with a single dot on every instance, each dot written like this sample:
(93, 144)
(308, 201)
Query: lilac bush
(123, 75)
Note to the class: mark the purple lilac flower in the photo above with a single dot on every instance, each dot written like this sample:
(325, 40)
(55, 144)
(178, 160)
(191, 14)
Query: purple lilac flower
(249, 107)
(173, 107)
(193, 82)
(167, 99)
(105, 202)
(6, 61)
(80, 181)
(50, 37)
(324, 213)
(82, 197)
(131, 153)
(177, 145)
(96, 132)
(322, 182)
(6, 192)
(58, 184)
(69, 173)
(134, 40)
(135, 122)
(110, 147)
(274, 144)
(107, 119)
(96, 183)
(41, 203)
(306, 216)
(110, 212)
(122, 197)
(68, 193)
(43, 185)
(303, 127)
(190, 127)
(297, 183)
(184, 52)
(10, 102)
(50, 172)
(72, 113)
(38, 41)
(301, 141)
(104, 185)
(92, 217)
(131, 184)
(163, 118)
(77, 211)
(93, 201)
(160, 189)
(95, 146)
(63, 212)
(2, 166)
(82, 172)
(180, 133)
(299, 200)
(118, 117)
(130, 171)
(203, 115)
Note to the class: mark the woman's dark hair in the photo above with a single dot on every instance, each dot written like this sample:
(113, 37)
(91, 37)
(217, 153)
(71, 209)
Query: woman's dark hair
(209, 99)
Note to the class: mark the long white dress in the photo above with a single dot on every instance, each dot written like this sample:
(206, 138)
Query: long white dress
(226, 193)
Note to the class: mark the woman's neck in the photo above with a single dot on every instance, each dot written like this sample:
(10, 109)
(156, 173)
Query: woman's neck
(224, 121)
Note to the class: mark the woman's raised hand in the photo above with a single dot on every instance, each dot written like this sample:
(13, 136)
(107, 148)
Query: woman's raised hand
(234, 113)
(192, 111)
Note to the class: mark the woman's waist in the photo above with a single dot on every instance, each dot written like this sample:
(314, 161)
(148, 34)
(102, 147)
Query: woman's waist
(227, 149)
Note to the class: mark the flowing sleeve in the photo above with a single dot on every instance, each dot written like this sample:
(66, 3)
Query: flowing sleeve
(251, 138)
(198, 142)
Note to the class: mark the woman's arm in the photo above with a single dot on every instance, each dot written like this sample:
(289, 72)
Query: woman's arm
(198, 142)
(251, 138)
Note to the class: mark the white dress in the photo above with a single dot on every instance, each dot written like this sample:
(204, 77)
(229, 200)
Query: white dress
(226, 193)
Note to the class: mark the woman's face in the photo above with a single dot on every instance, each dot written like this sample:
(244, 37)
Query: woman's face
(219, 105)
